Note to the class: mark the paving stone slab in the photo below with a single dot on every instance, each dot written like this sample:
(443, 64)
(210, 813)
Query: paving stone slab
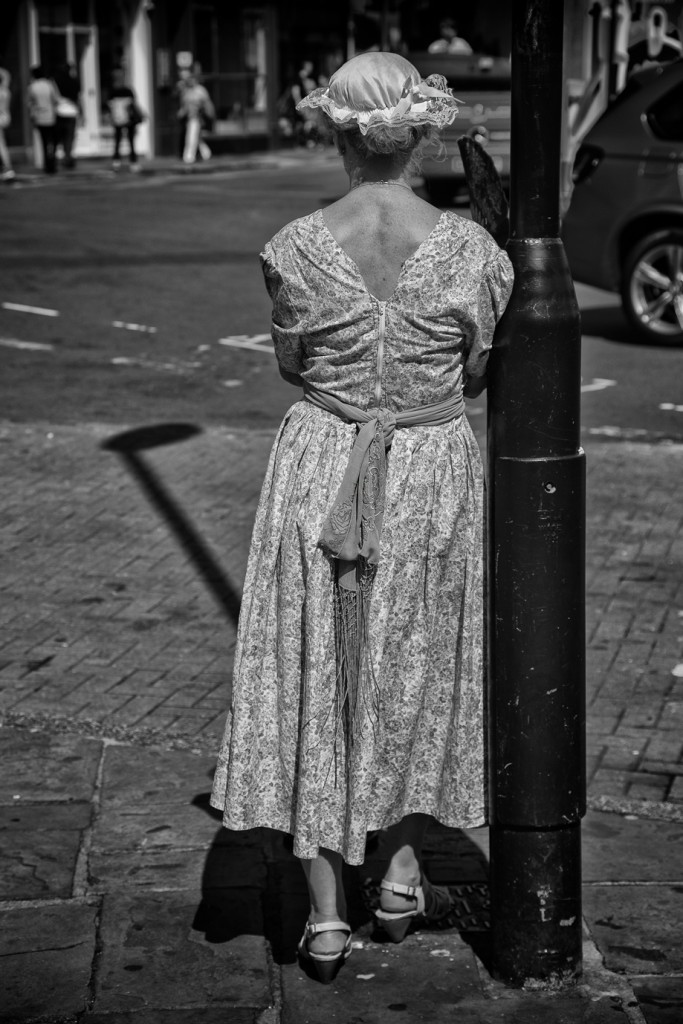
(192, 870)
(47, 954)
(39, 846)
(52, 817)
(637, 928)
(382, 981)
(38, 766)
(617, 848)
(197, 1015)
(37, 865)
(660, 999)
(153, 957)
(155, 798)
(431, 978)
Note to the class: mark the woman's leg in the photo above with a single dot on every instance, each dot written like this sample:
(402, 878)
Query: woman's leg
(132, 157)
(191, 140)
(403, 844)
(47, 134)
(4, 155)
(328, 901)
(118, 135)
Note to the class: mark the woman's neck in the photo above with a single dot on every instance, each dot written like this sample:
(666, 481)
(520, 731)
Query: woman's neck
(377, 176)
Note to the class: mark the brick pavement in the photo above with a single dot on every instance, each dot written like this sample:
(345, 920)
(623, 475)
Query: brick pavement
(121, 577)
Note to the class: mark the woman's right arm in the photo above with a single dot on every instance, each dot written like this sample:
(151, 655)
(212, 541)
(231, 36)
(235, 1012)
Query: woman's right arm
(285, 322)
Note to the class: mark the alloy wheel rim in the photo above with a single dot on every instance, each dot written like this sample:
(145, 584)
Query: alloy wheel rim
(656, 289)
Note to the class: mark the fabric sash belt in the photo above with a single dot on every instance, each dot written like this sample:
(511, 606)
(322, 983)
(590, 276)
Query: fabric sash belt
(353, 526)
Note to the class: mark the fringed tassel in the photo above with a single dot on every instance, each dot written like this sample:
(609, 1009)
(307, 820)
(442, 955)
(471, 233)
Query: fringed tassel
(357, 692)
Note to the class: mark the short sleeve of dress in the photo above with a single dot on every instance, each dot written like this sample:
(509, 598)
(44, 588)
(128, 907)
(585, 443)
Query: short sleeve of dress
(285, 323)
(492, 298)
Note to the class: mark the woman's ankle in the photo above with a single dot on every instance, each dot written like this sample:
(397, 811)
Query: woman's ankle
(403, 867)
(323, 915)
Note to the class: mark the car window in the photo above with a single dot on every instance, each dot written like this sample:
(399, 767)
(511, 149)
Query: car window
(665, 117)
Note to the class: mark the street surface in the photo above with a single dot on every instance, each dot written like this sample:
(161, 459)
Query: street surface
(132, 299)
(137, 302)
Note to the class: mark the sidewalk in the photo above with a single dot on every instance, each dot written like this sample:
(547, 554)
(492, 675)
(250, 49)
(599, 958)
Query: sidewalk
(100, 168)
(123, 900)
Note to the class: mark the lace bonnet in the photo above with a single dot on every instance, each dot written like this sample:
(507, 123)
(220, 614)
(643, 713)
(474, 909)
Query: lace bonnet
(380, 88)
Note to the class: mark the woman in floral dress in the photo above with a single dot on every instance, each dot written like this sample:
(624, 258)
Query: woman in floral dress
(359, 673)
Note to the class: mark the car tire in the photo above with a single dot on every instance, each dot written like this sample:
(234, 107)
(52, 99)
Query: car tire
(652, 287)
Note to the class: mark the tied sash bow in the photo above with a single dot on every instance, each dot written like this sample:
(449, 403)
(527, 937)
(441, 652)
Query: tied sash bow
(353, 527)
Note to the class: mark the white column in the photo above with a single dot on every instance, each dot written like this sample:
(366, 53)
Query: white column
(141, 79)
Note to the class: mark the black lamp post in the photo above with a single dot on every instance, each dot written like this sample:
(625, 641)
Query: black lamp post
(537, 523)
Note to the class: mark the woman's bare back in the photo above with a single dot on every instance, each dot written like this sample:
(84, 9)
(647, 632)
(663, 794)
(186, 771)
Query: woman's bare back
(380, 227)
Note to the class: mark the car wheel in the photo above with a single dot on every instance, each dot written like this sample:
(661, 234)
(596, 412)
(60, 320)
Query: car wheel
(652, 287)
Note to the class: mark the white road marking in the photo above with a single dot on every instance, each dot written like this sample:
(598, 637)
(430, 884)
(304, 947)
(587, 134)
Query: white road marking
(670, 407)
(36, 346)
(181, 366)
(626, 433)
(134, 327)
(250, 341)
(18, 307)
(598, 384)
(231, 383)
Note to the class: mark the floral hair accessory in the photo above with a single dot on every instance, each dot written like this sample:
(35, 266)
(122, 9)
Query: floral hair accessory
(383, 89)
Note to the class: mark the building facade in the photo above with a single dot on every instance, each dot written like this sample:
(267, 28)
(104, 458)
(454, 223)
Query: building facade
(248, 52)
(232, 46)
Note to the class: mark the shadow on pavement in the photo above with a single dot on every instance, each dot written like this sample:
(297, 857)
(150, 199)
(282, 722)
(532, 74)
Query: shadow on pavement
(128, 446)
(608, 322)
(253, 884)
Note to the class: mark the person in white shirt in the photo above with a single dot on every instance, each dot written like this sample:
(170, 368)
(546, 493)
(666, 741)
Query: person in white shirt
(125, 117)
(42, 104)
(5, 120)
(195, 105)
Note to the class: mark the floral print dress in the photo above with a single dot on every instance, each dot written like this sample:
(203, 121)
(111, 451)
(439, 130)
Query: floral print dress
(281, 763)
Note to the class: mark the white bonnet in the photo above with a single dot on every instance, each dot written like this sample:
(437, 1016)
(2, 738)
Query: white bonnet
(383, 88)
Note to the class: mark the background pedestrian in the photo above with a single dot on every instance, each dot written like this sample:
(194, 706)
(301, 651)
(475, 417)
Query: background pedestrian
(7, 172)
(449, 41)
(68, 110)
(196, 110)
(42, 104)
(125, 115)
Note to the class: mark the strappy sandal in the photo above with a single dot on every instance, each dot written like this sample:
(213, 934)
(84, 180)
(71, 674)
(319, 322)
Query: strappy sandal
(326, 964)
(432, 904)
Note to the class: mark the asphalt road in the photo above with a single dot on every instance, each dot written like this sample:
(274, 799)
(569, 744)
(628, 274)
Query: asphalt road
(143, 301)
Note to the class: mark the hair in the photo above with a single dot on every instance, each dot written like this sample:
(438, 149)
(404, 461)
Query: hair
(404, 144)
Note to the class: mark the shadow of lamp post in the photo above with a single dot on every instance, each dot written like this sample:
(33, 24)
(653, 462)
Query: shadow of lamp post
(129, 446)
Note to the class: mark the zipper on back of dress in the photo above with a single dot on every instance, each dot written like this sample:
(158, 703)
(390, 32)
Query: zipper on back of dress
(380, 350)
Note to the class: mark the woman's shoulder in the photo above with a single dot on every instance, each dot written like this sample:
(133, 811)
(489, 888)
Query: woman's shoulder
(465, 232)
(300, 231)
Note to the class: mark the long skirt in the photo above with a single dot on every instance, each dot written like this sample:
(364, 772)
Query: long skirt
(284, 762)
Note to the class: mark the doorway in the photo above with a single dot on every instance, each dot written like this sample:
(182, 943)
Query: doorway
(57, 40)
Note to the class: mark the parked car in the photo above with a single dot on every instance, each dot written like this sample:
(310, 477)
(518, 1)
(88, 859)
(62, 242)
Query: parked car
(482, 84)
(624, 228)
